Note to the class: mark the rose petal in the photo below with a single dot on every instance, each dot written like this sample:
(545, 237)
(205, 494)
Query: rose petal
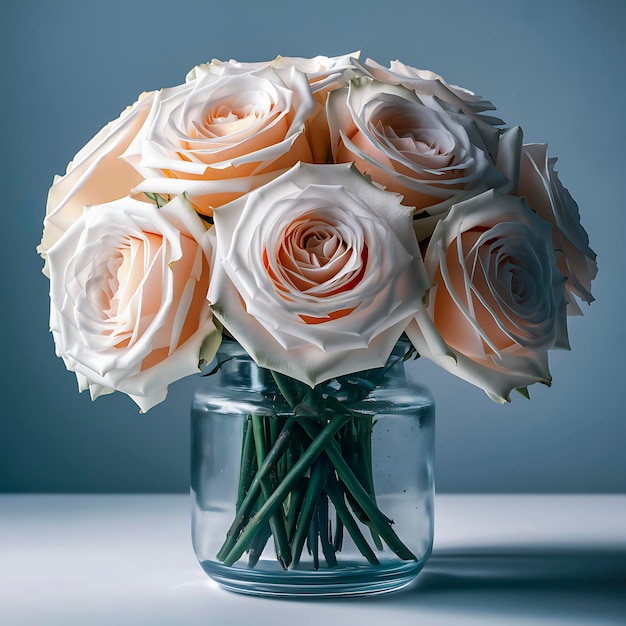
(497, 304)
(128, 285)
(315, 319)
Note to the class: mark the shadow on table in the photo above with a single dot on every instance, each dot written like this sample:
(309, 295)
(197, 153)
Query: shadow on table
(565, 585)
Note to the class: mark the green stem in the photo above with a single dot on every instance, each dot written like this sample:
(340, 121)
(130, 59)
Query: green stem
(279, 447)
(365, 462)
(380, 521)
(276, 425)
(349, 522)
(304, 462)
(296, 499)
(248, 463)
(338, 540)
(276, 522)
(311, 542)
(365, 452)
(257, 545)
(311, 498)
(287, 388)
(323, 529)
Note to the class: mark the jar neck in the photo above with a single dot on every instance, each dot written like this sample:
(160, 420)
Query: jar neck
(238, 370)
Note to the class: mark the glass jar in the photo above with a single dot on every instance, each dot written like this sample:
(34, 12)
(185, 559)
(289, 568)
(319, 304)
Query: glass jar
(311, 492)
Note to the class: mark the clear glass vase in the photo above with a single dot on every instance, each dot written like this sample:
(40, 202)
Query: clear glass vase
(322, 492)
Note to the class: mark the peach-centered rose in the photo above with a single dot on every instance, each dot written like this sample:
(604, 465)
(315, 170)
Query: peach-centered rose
(95, 175)
(128, 284)
(324, 75)
(497, 304)
(429, 155)
(222, 134)
(318, 273)
(539, 184)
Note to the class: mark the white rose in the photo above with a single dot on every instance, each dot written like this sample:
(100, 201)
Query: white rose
(539, 184)
(219, 136)
(128, 284)
(318, 273)
(432, 157)
(95, 175)
(434, 92)
(497, 303)
(324, 75)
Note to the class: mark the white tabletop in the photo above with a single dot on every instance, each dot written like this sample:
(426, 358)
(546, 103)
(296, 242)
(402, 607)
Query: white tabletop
(127, 559)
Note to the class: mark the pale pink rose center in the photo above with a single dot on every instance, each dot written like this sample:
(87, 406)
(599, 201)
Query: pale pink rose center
(412, 132)
(430, 147)
(235, 126)
(400, 137)
(224, 124)
(316, 258)
(234, 116)
(130, 284)
(131, 291)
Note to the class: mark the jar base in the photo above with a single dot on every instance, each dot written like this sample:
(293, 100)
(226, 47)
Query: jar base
(345, 582)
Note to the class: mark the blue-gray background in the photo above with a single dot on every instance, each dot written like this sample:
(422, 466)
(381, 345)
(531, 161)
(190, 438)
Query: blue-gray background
(556, 68)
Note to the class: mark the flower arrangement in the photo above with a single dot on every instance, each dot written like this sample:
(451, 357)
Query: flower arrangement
(316, 211)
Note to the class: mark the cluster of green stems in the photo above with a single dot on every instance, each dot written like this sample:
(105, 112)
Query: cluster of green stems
(293, 467)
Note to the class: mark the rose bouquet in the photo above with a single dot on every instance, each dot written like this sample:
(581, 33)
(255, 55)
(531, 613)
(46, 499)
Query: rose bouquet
(326, 214)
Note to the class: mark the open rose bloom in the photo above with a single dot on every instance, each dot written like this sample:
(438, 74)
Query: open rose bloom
(315, 211)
